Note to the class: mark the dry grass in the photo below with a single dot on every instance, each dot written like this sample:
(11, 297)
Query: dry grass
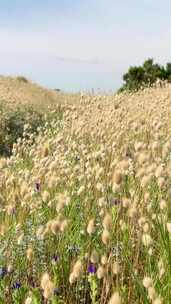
(85, 211)
(15, 91)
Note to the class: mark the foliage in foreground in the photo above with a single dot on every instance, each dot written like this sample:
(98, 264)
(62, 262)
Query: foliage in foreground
(15, 121)
(85, 208)
(146, 75)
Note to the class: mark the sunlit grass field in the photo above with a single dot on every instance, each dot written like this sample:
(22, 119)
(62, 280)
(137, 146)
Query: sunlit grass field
(85, 201)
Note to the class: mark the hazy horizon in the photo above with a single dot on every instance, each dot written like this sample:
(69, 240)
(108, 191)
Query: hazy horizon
(77, 46)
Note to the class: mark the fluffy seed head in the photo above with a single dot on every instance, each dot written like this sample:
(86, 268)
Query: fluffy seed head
(107, 222)
(91, 227)
(105, 236)
(94, 258)
(117, 178)
(55, 226)
(169, 227)
(100, 272)
(28, 300)
(77, 269)
(115, 299)
(104, 260)
(63, 225)
(115, 268)
(72, 278)
(147, 282)
(151, 293)
(29, 253)
(44, 280)
(49, 290)
(47, 286)
(146, 239)
(158, 301)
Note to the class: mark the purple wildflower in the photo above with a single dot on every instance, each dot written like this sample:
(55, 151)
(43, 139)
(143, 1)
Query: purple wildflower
(116, 202)
(3, 272)
(16, 285)
(91, 268)
(37, 186)
(55, 258)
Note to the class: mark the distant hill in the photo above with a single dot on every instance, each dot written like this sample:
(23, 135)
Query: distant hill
(19, 90)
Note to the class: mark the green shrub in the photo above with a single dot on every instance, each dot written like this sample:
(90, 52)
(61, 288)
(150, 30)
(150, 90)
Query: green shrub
(145, 75)
(22, 79)
(12, 124)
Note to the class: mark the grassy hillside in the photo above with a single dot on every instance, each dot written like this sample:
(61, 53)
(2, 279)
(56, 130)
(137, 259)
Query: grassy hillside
(85, 204)
(17, 90)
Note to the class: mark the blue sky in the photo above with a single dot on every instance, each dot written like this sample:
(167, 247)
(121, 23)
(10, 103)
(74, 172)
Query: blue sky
(82, 44)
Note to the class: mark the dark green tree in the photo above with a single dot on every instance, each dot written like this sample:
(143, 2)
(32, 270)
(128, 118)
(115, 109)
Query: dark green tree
(168, 70)
(145, 75)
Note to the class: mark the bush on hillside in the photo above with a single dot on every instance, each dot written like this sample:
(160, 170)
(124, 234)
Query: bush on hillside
(145, 75)
(22, 79)
(12, 124)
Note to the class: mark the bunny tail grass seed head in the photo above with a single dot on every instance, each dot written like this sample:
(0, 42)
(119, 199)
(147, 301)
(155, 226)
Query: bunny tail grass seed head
(91, 227)
(106, 236)
(115, 299)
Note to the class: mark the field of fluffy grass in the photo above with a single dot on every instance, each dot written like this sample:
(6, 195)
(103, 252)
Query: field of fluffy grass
(85, 203)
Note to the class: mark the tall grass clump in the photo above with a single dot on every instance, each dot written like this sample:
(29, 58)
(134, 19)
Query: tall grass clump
(85, 204)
